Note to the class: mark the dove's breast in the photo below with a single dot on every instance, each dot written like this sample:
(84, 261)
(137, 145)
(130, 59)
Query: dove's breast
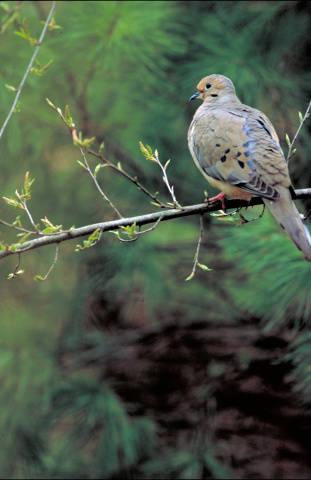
(209, 142)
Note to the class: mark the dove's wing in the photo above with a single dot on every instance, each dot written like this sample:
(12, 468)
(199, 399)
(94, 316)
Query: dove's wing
(238, 147)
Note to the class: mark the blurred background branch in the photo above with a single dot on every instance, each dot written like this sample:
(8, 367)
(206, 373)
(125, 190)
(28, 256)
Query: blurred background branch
(19, 89)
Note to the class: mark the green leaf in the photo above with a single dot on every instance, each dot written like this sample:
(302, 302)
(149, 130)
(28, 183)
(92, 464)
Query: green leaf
(83, 142)
(49, 227)
(190, 277)
(68, 117)
(16, 274)
(28, 182)
(50, 230)
(23, 237)
(95, 236)
(17, 222)
(146, 150)
(24, 33)
(97, 168)
(40, 69)
(17, 109)
(167, 164)
(3, 246)
(14, 247)
(51, 104)
(53, 25)
(204, 267)
(13, 203)
(39, 278)
(287, 140)
(130, 230)
(91, 240)
(82, 164)
(10, 87)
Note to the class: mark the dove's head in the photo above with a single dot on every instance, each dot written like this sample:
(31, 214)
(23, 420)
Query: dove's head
(214, 88)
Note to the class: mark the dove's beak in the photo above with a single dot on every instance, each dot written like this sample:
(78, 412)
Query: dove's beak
(194, 96)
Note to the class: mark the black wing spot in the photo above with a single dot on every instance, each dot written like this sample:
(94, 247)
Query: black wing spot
(223, 158)
(228, 150)
(264, 127)
(242, 164)
(238, 154)
(235, 114)
(217, 144)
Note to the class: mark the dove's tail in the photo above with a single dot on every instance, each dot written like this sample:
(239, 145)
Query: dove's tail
(285, 212)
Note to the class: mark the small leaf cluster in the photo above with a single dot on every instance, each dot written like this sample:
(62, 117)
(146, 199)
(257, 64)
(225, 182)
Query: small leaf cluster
(24, 33)
(23, 196)
(91, 240)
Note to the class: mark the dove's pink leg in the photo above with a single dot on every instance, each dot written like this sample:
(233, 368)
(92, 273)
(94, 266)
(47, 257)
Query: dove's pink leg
(218, 198)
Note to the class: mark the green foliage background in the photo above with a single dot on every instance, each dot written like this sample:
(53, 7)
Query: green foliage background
(127, 69)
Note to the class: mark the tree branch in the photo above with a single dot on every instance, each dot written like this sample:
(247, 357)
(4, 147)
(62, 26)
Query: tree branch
(291, 143)
(139, 220)
(100, 190)
(31, 62)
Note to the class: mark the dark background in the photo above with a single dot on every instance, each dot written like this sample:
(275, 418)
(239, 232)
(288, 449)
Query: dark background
(115, 367)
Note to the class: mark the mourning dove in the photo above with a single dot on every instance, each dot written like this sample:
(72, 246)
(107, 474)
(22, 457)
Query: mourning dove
(237, 149)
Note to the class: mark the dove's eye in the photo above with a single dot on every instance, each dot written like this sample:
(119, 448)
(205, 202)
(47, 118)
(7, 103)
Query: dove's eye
(208, 85)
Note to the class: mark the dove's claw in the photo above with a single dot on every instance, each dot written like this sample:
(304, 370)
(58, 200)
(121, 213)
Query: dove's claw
(218, 198)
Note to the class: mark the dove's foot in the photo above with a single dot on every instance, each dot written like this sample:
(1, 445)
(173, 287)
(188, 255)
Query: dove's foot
(218, 198)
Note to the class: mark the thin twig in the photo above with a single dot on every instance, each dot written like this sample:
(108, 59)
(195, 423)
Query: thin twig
(16, 227)
(107, 163)
(165, 178)
(246, 220)
(17, 271)
(52, 266)
(197, 252)
(17, 266)
(24, 203)
(107, 199)
(139, 220)
(302, 121)
(34, 55)
(138, 233)
(128, 176)
(142, 232)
